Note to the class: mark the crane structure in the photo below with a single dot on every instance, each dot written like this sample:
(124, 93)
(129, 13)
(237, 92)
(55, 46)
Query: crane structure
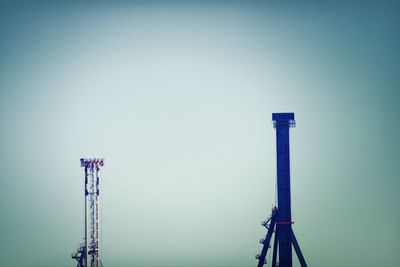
(280, 221)
(87, 254)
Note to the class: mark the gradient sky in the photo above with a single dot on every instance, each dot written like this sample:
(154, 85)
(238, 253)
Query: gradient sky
(177, 97)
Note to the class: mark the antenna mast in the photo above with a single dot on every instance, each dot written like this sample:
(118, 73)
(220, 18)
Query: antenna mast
(88, 252)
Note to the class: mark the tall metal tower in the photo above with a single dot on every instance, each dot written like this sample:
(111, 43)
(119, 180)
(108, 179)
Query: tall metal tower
(87, 254)
(280, 220)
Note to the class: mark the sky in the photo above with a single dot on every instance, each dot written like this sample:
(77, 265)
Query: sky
(177, 97)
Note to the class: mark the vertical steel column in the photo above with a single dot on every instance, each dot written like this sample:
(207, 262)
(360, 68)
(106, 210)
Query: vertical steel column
(92, 207)
(87, 213)
(97, 218)
(282, 123)
(87, 254)
(284, 235)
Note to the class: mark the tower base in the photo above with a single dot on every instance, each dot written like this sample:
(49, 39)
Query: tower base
(273, 225)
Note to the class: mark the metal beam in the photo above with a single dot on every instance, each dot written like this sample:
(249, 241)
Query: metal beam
(298, 250)
(266, 242)
(282, 123)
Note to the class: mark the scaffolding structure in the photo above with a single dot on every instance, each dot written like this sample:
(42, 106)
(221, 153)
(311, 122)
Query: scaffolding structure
(87, 254)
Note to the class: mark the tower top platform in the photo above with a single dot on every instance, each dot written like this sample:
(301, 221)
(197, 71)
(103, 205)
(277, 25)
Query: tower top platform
(95, 162)
(283, 119)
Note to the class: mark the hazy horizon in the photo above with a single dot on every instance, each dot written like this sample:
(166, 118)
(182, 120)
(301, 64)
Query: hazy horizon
(177, 97)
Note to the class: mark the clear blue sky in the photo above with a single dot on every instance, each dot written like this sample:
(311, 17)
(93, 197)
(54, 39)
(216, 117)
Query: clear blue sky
(177, 97)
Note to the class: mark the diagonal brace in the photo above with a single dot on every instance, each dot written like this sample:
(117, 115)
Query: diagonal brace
(261, 259)
(297, 249)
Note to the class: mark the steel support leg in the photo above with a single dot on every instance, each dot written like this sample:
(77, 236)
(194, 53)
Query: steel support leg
(275, 249)
(261, 259)
(297, 249)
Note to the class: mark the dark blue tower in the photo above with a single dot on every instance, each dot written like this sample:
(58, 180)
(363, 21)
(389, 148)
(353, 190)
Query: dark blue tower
(280, 221)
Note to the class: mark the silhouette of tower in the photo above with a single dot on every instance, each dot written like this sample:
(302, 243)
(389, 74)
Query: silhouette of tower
(280, 220)
(87, 254)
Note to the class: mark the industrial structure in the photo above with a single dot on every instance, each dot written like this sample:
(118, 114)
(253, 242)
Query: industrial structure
(280, 221)
(87, 254)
